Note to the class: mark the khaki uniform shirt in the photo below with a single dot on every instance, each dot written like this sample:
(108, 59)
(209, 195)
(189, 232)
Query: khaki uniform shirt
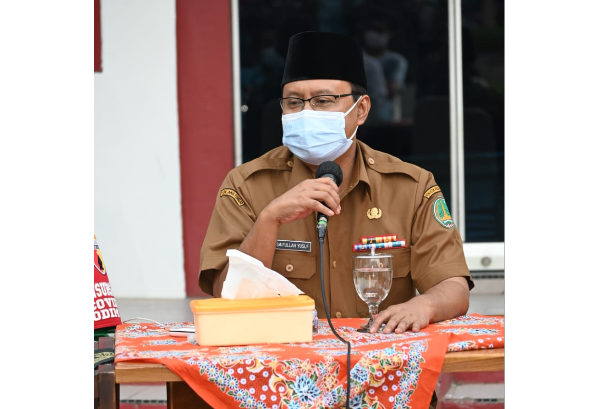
(407, 203)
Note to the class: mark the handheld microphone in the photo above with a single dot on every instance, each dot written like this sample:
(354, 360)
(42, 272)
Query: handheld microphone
(333, 171)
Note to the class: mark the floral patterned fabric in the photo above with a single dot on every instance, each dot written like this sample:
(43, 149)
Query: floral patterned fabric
(387, 370)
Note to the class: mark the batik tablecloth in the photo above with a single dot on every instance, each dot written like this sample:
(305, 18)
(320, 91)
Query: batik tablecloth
(387, 370)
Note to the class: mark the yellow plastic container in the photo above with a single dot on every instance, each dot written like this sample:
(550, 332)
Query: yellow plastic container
(221, 322)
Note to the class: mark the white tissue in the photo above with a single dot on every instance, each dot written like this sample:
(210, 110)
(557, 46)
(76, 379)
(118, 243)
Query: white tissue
(247, 277)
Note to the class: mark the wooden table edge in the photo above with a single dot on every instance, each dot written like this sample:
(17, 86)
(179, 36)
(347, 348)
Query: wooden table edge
(133, 372)
(478, 360)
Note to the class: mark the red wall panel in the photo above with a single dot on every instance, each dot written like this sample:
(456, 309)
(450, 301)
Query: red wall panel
(205, 98)
(97, 38)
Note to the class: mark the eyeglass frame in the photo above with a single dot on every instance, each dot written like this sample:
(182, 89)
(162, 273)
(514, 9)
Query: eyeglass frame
(336, 97)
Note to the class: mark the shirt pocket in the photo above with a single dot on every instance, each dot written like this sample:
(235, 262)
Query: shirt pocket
(401, 289)
(294, 264)
(299, 268)
(401, 262)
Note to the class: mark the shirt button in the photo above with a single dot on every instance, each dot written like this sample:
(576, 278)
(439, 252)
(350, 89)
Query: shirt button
(371, 161)
(334, 264)
(289, 267)
(290, 163)
(338, 314)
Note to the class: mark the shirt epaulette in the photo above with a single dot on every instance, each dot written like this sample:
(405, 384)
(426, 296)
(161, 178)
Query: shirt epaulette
(276, 159)
(384, 163)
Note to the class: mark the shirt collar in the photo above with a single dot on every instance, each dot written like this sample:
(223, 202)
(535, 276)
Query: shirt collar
(301, 172)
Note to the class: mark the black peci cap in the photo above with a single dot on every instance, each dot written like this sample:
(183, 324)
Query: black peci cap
(316, 55)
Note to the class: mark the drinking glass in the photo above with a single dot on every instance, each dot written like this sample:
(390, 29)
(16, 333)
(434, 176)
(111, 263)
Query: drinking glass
(372, 276)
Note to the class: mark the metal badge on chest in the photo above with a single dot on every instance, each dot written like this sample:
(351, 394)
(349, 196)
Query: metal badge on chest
(374, 213)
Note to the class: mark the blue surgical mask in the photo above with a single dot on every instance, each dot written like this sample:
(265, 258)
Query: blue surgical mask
(316, 136)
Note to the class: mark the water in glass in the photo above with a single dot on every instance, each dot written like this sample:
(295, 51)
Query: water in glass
(372, 276)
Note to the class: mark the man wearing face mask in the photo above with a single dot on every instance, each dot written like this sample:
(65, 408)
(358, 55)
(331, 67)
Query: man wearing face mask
(267, 208)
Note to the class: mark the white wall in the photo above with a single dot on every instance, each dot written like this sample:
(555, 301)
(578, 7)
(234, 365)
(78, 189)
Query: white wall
(138, 222)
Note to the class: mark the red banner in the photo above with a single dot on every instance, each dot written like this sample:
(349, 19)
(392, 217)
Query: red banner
(105, 311)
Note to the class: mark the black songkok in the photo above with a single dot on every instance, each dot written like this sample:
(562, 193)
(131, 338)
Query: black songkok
(316, 55)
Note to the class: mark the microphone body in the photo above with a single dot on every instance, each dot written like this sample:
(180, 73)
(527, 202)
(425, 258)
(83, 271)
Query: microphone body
(333, 171)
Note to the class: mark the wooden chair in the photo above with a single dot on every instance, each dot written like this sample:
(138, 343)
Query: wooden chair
(106, 390)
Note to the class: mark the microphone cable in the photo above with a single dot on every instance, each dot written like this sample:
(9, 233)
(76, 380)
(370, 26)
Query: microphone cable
(321, 240)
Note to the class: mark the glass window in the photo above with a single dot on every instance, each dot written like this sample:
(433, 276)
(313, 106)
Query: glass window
(406, 54)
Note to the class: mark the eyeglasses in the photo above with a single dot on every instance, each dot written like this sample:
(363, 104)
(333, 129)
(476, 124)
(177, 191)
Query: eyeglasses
(318, 103)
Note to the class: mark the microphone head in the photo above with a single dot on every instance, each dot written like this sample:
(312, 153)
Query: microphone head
(329, 169)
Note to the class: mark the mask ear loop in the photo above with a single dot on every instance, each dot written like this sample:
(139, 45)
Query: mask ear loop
(349, 111)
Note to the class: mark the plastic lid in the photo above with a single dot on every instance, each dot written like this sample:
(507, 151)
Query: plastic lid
(222, 304)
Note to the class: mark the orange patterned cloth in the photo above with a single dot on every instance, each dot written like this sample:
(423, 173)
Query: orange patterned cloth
(387, 370)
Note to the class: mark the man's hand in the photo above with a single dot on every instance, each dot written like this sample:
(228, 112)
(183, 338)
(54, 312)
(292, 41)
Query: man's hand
(305, 198)
(447, 299)
(414, 314)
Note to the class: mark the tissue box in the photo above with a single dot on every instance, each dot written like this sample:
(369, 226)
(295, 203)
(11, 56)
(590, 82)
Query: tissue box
(221, 322)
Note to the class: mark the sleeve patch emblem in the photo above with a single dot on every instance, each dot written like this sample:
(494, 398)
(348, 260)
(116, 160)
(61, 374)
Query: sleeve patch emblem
(232, 193)
(442, 214)
(431, 191)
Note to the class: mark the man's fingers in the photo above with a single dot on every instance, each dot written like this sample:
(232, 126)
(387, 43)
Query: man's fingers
(326, 181)
(391, 325)
(330, 198)
(402, 326)
(379, 320)
(400, 318)
(319, 207)
(418, 326)
(321, 193)
(312, 195)
(329, 203)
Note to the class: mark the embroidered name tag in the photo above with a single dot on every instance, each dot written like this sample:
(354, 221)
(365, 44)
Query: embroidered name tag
(293, 245)
(431, 191)
(232, 193)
